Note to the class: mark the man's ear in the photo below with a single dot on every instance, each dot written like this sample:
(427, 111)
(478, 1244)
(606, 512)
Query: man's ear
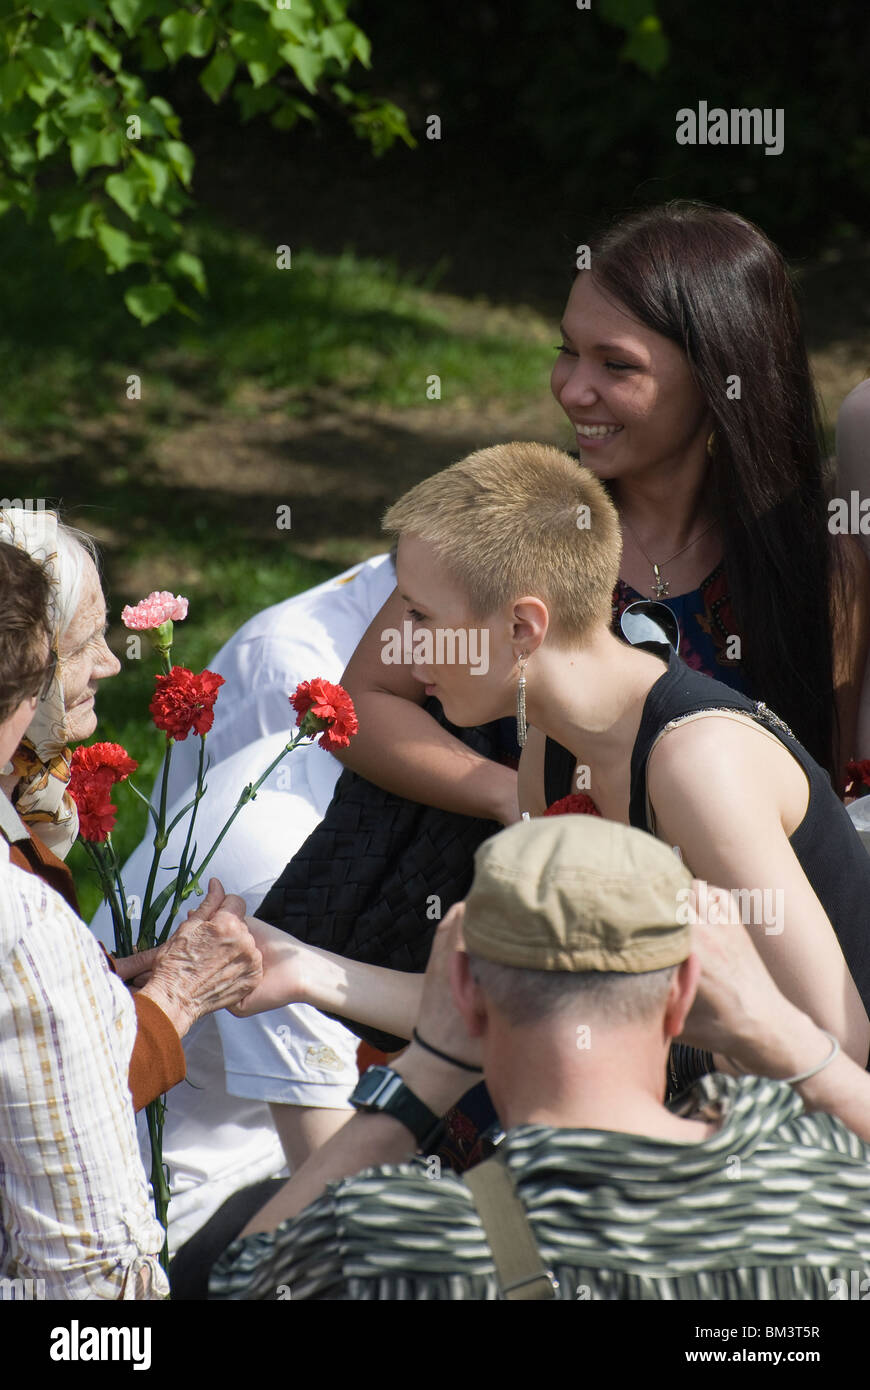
(466, 993)
(681, 995)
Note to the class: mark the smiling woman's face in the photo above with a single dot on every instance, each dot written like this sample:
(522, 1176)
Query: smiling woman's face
(628, 391)
(84, 657)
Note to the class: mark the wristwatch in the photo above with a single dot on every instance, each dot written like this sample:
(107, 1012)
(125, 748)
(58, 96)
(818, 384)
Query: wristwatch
(381, 1089)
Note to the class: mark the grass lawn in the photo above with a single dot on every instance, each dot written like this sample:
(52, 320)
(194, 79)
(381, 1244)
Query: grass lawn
(179, 487)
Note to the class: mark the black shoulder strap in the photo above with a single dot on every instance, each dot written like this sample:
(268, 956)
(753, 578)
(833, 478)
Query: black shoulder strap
(518, 1264)
(558, 771)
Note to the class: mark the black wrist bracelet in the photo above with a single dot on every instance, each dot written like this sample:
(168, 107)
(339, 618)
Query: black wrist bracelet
(445, 1056)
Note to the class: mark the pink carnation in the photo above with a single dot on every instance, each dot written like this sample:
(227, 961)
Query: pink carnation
(158, 608)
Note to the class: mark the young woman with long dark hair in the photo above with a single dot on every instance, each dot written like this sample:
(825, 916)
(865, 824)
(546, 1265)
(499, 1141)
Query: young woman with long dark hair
(684, 373)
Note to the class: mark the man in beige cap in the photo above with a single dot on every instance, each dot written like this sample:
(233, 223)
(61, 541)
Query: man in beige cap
(573, 963)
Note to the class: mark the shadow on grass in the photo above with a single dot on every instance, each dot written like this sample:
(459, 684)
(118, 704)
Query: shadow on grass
(68, 345)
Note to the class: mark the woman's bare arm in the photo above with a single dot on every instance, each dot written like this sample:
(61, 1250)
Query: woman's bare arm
(714, 787)
(740, 1011)
(294, 973)
(401, 748)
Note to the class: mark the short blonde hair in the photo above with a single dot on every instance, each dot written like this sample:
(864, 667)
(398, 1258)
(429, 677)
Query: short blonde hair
(520, 519)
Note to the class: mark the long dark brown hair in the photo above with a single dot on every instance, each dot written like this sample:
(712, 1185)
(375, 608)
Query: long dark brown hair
(713, 283)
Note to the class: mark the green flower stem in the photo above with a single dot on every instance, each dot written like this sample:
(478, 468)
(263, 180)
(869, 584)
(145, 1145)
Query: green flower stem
(101, 857)
(183, 867)
(123, 946)
(248, 794)
(154, 1114)
(159, 846)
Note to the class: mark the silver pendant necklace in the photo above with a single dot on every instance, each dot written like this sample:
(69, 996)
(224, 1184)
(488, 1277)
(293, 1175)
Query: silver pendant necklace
(661, 587)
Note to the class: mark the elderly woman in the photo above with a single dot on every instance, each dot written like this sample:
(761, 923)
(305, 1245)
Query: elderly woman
(75, 1217)
(208, 965)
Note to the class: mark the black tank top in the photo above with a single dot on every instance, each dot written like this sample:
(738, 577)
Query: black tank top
(826, 843)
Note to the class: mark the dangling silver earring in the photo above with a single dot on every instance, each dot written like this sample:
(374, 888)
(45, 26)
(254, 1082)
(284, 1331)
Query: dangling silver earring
(522, 726)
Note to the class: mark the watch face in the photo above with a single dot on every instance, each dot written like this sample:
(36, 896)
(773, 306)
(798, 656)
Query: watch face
(370, 1084)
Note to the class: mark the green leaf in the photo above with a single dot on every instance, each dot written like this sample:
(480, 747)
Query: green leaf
(14, 77)
(48, 135)
(291, 112)
(647, 47)
(176, 32)
(362, 48)
(84, 151)
(217, 75)
(185, 33)
(105, 51)
(44, 62)
(202, 36)
(75, 220)
(259, 51)
(130, 13)
(157, 223)
(286, 117)
(157, 172)
(290, 22)
(120, 249)
(93, 147)
(153, 58)
(132, 87)
(172, 123)
(129, 190)
(149, 302)
(253, 101)
(181, 159)
(337, 43)
(307, 65)
(67, 13)
(39, 92)
(185, 263)
(92, 101)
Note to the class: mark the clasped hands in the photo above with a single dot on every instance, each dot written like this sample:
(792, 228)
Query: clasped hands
(211, 962)
(218, 960)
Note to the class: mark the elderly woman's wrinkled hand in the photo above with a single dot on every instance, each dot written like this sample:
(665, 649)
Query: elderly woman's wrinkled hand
(211, 962)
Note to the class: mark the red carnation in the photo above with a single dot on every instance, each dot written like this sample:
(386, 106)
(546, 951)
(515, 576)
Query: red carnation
(183, 701)
(96, 812)
(857, 778)
(93, 772)
(578, 803)
(327, 709)
(107, 763)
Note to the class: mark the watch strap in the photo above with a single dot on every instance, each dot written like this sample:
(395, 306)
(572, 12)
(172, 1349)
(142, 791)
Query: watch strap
(388, 1094)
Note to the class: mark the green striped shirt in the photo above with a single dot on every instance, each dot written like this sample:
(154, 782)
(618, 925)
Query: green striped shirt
(775, 1205)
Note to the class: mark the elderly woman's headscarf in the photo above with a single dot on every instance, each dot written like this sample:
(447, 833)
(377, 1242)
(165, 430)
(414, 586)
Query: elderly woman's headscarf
(42, 759)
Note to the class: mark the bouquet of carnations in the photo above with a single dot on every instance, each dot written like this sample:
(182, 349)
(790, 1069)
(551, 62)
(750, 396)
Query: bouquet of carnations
(182, 703)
